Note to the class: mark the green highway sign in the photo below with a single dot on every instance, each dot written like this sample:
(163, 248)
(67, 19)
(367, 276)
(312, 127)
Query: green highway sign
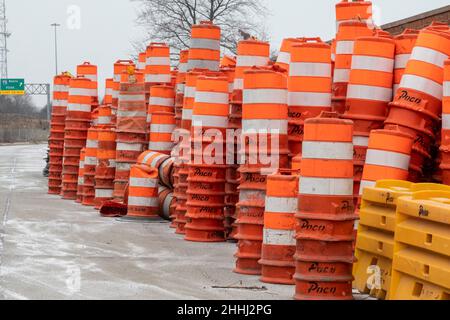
(12, 86)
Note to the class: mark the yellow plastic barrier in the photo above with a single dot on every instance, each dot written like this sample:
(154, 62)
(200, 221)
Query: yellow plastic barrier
(421, 265)
(375, 241)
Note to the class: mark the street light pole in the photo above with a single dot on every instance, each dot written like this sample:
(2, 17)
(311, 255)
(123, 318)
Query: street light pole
(56, 25)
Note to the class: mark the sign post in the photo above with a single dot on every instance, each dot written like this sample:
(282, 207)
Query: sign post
(12, 86)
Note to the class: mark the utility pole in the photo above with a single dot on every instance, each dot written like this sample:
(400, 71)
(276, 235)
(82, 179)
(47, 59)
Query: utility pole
(4, 34)
(55, 26)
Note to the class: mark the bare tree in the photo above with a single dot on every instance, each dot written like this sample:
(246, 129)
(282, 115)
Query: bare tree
(170, 21)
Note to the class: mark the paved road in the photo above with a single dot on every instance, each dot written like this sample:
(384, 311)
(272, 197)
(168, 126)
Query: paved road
(56, 249)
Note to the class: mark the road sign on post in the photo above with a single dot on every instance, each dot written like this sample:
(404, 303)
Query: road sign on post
(12, 87)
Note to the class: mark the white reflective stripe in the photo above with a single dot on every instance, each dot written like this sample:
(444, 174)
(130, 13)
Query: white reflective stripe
(131, 98)
(157, 101)
(61, 88)
(263, 126)
(424, 85)
(131, 114)
(333, 57)
(310, 99)
(369, 93)
(90, 161)
(143, 202)
(60, 103)
(104, 193)
(446, 121)
(181, 88)
(186, 114)
(372, 63)
(189, 92)
(143, 182)
(92, 77)
(341, 75)
(310, 69)
(250, 61)
(162, 128)
(116, 78)
(209, 121)
(238, 84)
(158, 61)
(122, 166)
(281, 205)
(284, 57)
(82, 92)
(429, 55)
(388, 159)
(446, 89)
(104, 120)
(92, 144)
(81, 166)
(158, 78)
(279, 237)
(80, 181)
(155, 160)
(230, 87)
(210, 44)
(109, 91)
(79, 107)
(327, 150)
(246, 195)
(356, 226)
(160, 146)
(326, 186)
(141, 65)
(266, 96)
(366, 184)
(182, 68)
(112, 163)
(212, 97)
(401, 60)
(115, 94)
(360, 141)
(121, 146)
(396, 86)
(212, 65)
(345, 47)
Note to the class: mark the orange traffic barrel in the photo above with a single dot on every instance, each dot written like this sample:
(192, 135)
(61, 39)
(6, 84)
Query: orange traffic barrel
(180, 85)
(166, 202)
(347, 34)
(142, 61)
(387, 160)
(132, 111)
(265, 114)
(106, 153)
(359, 10)
(326, 218)
(109, 87)
(90, 162)
(161, 130)
(204, 49)
(278, 249)
(189, 98)
(157, 69)
(249, 53)
(424, 74)
(88, 71)
(80, 176)
(445, 135)
(166, 171)
(228, 62)
(104, 115)
(80, 99)
(120, 67)
(404, 44)
(162, 99)
(284, 57)
(143, 201)
(309, 87)
(61, 85)
(152, 159)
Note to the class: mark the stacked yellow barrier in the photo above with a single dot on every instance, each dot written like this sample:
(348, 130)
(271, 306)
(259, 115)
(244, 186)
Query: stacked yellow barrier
(421, 266)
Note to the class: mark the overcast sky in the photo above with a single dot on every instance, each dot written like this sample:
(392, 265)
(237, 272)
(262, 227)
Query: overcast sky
(107, 28)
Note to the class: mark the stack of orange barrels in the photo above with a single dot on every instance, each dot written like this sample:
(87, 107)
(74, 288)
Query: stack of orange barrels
(417, 105)
(120, 67)
(131, 128)
(445, 137)
(90, 166)
(265, 126)
(309, 87)
(157, 68)
(369, 94)
(109, 87)
(78, 122)
(206, 178)
(57, 126)
(180, 86)
(204, 49)
(326, 218)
